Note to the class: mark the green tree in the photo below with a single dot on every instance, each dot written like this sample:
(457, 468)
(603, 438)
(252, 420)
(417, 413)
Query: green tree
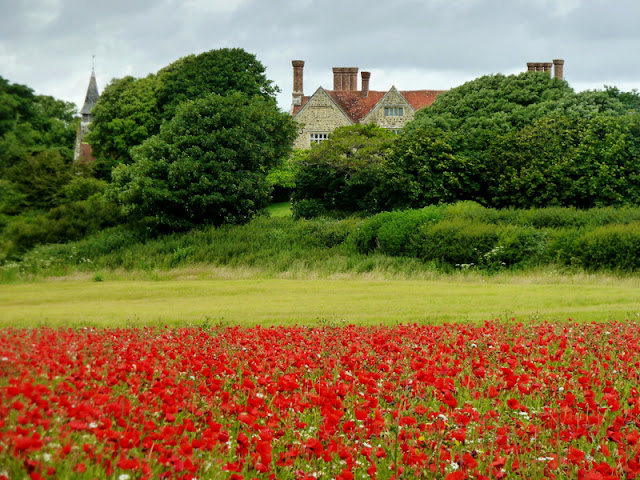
(39, 179)
(32, 123)
(430, 171)
(524, 140)
(208, 164)
(125, 116)
(344, 173)
(216, 71)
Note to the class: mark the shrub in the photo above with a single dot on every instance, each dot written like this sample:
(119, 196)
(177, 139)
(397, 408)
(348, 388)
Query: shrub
(611, 247)
(456, 243)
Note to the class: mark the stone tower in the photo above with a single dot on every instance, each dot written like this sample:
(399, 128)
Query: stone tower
(83, 150)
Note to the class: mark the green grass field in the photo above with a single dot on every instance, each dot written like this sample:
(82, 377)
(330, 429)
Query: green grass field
(280, 301)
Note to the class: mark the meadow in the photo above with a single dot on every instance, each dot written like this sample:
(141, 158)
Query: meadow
(198, 299)
(300, 350)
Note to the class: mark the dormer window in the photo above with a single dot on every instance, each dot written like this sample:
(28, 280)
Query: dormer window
(393, 111)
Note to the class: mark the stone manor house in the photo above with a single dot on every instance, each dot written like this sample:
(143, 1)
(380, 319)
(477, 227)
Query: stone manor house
(326, 110)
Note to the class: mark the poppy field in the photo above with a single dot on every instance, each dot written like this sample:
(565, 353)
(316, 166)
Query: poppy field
(499, 399)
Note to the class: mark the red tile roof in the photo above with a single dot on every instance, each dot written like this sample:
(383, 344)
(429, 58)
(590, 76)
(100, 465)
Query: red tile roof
(356, 107)
(297, 108)
(421, 98)
(353, 105)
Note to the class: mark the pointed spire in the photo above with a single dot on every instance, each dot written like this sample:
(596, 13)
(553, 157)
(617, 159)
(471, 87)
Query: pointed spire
(92, 95)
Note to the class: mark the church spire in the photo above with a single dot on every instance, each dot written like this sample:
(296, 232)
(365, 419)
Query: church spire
(83, 150)
(92, 96)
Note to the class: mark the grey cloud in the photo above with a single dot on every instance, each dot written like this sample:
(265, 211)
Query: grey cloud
(454, 39)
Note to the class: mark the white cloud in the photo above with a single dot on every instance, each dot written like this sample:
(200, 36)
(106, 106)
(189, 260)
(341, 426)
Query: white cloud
(212, 6)
(42, 13)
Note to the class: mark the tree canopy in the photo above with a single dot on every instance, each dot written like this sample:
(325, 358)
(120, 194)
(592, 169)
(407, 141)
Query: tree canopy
(216, 71)
(346, 173)
(30, 123)
(125, 116)
(131, 110)
(526, 140)
(37, 135)
(208, 164)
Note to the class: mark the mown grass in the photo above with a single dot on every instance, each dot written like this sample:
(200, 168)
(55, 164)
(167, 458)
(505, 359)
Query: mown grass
(282, 209)
(280, 301)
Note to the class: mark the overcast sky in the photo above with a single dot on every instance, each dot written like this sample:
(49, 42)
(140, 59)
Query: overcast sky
(412, 44)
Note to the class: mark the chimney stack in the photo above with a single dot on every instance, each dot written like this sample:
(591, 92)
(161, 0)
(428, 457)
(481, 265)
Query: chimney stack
(365, 84)
(345, 78)
(297, 95)
(558, 69)
(337, 78)
(353, 79)
(557, 66)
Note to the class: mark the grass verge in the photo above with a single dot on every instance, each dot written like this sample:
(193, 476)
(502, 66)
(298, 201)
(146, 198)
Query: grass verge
(281, 301)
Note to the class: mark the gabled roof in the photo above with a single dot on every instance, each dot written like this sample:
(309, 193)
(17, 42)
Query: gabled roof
(92, 96)
(352, 103)
(356, 108)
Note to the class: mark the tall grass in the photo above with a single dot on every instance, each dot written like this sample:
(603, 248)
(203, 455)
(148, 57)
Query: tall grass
(412, 244)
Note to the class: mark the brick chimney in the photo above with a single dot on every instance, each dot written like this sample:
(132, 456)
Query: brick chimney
(337, 78)
(546, 67)
(531, 67)
(365, 84)
(353, 79)
(345, 78)
(297, 95)
(558, 69)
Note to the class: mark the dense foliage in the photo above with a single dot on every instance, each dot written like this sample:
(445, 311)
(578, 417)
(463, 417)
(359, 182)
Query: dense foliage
(125, 116)
(208, 164)
(37, 135)
(520, 141)
(216, 71)
(131, 110)
(436, 239)
(529, 141)
(44, 196)
(347, 172)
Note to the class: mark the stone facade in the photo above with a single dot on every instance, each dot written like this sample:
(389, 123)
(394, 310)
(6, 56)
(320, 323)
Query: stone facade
(326, 110)
(319, 116)
(383, 115)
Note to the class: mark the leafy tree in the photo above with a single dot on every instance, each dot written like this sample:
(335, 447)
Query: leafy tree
(125, 116)
(208, 164)
(282, 177)
(430, 172)
(31, 123)
(525, 140)
(131, 110)
(216, 71)
(344, 173)
(39, 178)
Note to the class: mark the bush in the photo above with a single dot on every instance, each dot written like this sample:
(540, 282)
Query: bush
(308, 208)
(347, 173)
(456, 243)
(611, 247)
(61, 224)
